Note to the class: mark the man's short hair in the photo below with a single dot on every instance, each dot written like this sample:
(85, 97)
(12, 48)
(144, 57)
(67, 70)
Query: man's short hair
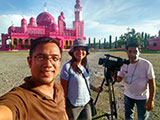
(132, 45)
(42, 40)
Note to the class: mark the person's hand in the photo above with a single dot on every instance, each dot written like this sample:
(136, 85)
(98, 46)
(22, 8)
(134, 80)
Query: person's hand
(99, 89)
(149, 105)
(113, 75)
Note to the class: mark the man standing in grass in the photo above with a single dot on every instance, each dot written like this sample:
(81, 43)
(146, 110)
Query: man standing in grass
(139, 80)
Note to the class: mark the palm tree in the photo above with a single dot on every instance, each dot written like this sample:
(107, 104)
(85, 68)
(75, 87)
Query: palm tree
(110, 42)
(89, 42)
(104, 43)
(94, 43)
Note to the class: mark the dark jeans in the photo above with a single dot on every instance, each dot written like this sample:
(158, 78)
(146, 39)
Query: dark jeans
(129, 108)
(78, 113)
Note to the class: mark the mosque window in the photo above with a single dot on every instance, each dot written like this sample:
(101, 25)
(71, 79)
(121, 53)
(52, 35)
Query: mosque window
(60, 28)
(31, 40)
(79, 28)
(41, 32)
(27, 31)
(36, 31)
(70, 42)
(154, 44)
(66, 42)
(15, 41)
(26, 42)
(32, 31)
(20, 41)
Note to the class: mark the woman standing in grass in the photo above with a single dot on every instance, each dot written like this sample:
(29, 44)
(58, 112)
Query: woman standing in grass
(73, 75)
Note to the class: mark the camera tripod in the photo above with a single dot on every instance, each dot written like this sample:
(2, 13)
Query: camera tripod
(109, 82)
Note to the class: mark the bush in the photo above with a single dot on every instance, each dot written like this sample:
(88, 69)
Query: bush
(22, 46)
(27, 46)
(14, 46)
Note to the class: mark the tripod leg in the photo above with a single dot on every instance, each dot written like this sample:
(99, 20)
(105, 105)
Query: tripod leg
(99, 92)
(109, 83)
(114, 103)
(107, 115)
(110, 97)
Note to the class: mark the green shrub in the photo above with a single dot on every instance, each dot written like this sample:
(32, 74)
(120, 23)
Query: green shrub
(14, 46)
(22, 46)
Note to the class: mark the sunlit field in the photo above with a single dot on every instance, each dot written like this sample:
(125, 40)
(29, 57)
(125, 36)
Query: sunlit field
(14, 67)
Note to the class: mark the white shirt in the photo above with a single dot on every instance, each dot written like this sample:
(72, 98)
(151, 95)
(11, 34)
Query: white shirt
(136, 78)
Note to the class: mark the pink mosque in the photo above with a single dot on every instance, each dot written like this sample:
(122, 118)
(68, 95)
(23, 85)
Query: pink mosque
(154, 43)
(19, 38)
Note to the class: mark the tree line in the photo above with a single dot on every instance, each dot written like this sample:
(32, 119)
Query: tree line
(131, 36)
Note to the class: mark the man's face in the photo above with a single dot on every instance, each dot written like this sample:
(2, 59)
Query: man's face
(45, 63)
(133, 54)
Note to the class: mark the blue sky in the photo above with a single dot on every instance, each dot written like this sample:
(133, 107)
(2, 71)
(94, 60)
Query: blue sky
(101, 17)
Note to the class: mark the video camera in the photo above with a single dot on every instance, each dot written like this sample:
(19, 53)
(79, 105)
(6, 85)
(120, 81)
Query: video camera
(112, 62)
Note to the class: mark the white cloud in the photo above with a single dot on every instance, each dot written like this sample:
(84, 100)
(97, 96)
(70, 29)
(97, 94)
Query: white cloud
(96, 29)
(149, 26)
(99, 30)
(8, 20)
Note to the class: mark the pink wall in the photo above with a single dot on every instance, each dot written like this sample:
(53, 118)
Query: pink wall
(154, 43)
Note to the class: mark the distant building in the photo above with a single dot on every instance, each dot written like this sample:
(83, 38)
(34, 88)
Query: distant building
(19, 38)
(154, 43)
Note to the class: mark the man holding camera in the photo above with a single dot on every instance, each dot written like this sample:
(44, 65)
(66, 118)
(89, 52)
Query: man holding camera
(139, 80)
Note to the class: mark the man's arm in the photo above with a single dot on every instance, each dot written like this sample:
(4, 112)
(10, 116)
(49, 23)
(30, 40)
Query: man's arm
(115, 76)
(5, 113)
(152, 91)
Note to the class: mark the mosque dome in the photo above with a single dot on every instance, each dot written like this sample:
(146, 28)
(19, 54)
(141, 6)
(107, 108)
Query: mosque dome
(32, 20)
(54, 27)
(23, 21)
(62, 14)
(60, 17)
(11, 29)
(45, 19)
